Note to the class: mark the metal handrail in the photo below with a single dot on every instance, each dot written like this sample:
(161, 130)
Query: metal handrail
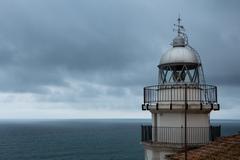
(201, 93)
(175, 135)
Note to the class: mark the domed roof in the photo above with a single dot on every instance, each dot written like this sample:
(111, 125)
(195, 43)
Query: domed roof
(179, 41)
(179, 55)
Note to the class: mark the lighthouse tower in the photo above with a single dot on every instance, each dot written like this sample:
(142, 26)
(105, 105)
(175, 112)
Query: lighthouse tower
(180, 104)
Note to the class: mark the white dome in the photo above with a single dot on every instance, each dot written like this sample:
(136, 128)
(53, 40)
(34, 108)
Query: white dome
(179, 55)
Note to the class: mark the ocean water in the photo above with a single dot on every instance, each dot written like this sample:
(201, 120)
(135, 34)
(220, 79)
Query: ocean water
(79, 139)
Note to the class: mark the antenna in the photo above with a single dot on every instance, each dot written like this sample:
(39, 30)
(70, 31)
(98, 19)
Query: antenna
(180, 29)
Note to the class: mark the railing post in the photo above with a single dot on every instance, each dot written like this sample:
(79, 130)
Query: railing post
(185, 113)
(216, 94)
(200, 91)
(150, 133)
(211, 133)
(171, 99)
(144, 95)
(215, 131)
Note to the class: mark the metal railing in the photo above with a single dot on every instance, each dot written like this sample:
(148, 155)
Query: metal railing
(175, 135)
(201, 93)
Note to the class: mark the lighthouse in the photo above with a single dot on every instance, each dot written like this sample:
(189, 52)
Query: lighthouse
(180, 104)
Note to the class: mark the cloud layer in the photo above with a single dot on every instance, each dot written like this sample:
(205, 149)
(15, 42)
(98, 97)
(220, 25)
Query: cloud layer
(91, 54)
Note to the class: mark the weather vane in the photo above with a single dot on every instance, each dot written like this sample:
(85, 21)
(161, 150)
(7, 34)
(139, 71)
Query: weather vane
(178, 27)
(180, 30)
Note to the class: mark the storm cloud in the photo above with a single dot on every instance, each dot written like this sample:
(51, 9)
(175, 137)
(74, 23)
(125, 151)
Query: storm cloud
(100, 54)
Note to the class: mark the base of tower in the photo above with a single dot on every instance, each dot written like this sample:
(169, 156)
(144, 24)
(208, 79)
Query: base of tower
(155, 153)
(160, 151)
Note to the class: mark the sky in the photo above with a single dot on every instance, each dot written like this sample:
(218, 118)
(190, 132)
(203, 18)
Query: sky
(92, 58)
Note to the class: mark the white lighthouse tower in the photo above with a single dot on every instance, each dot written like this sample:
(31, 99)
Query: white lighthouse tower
(180, 104)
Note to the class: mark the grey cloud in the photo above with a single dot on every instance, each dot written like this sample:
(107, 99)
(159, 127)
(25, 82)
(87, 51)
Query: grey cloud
(113, 44)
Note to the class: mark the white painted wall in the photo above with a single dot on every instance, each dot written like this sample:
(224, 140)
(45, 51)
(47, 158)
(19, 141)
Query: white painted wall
(198, 134)
(152, 154)
(167, 119)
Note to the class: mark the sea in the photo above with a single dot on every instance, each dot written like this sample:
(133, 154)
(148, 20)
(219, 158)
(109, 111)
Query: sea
(96, 139)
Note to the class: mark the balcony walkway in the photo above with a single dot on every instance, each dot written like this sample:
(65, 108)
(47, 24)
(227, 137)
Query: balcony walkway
(172, 96)
(175, 135)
